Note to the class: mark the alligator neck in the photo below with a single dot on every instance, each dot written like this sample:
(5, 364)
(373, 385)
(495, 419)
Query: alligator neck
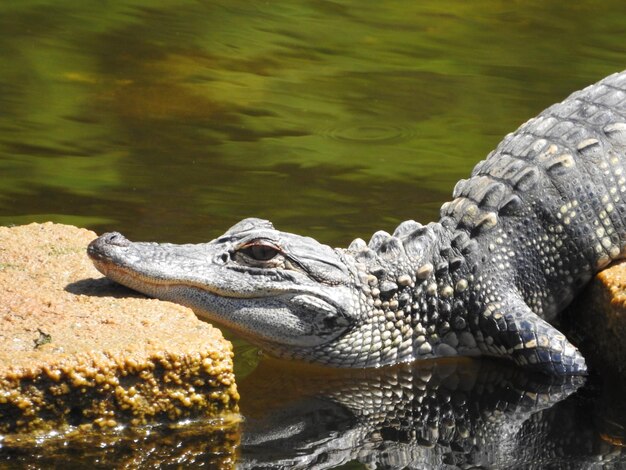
(415, 287)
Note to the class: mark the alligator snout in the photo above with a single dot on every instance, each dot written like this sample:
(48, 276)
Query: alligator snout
(97, 249)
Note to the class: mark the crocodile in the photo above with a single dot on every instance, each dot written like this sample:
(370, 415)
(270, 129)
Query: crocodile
(536, 220)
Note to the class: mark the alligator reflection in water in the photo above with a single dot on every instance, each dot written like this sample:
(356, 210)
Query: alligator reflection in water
(453, 413)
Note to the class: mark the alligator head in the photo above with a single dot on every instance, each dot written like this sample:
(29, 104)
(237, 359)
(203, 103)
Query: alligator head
(288, 294)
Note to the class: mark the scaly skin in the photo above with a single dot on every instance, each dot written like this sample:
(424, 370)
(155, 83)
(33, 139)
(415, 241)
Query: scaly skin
(543, 213)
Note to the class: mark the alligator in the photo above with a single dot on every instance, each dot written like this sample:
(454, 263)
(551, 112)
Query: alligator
(536, 220)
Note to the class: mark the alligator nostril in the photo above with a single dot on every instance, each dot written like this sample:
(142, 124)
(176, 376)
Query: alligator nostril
(115, 238)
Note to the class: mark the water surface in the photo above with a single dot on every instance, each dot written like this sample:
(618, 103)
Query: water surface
(170, 120)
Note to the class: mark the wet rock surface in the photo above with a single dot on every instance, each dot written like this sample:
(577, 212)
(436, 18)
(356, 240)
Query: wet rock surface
(77, 350)
(203, 443)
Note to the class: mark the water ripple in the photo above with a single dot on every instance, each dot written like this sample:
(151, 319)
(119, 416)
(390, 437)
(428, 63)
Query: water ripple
(370, 134)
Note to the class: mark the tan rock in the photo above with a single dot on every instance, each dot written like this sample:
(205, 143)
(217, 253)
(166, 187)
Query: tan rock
(77, 349)
(598, 318)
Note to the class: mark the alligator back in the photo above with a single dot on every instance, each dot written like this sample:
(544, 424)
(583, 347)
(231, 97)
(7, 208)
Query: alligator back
(548, 205)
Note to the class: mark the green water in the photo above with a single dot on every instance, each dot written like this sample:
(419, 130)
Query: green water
(172, 120)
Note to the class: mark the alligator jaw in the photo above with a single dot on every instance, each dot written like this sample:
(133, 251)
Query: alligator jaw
(127, 263)
(141, 266)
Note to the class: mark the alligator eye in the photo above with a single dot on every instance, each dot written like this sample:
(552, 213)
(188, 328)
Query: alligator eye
(260, 252)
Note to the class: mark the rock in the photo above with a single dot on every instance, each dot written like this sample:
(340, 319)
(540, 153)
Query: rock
(598, 319)
(79, 350)
(198, 444)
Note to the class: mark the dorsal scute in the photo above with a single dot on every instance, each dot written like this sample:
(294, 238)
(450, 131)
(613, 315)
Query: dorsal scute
(365, 256)
(391, 249)
(459, 188)
(409, 239)
(483, 190)
(406, 228)
(517, 144)
(357, 245)
(498, 184)
(526, 178)
(507, 167)
(460, 240)
(616, 132)
(386, 246)
(377, 239)
(469, 215)
(510, 205)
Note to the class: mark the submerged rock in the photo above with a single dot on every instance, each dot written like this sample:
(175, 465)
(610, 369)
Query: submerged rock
(78, 350)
